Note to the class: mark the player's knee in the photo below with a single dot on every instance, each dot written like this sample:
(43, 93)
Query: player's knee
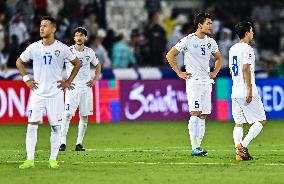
(55, 128)
(264, 122)
(195, 113)
(68, 116)
(84, 119)
(33, 123)
(239, 125)
(203, 116)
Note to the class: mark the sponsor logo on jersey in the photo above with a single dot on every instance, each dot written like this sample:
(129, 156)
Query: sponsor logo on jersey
(195, 45)
(87, 58)
(57, 53)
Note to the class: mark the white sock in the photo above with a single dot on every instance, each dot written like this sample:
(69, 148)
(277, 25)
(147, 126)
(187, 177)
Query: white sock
(254, 130)
(238, 135)
(193, 131)
(64, 128)
(31, 139)
(54, 141)
(82, 129)
(201, 131)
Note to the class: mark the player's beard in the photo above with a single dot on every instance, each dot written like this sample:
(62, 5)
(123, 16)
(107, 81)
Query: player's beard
(46, 36)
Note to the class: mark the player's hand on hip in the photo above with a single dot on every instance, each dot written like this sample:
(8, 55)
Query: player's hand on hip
(212, 75)
(249, 94)
(249, 99)
(91, 83)
(184, 75)
(32, 84)
(63, 84)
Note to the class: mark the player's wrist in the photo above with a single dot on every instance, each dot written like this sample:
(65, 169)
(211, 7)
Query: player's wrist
(26, 78)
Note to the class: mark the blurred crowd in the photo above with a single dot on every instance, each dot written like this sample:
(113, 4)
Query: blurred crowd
(146, 46)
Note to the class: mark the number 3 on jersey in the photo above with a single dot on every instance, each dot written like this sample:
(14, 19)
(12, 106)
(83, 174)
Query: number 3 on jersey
(235, 67)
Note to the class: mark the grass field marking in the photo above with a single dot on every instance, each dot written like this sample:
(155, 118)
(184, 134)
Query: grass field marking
(158, 163)
(148, 150)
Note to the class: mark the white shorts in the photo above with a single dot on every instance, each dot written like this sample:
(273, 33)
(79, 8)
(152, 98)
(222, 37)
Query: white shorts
(82, 97)
(199, 97)
(250, 113)
(53, 107)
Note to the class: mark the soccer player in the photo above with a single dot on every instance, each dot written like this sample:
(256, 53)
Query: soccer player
(82, 95)
(197, 49)
(246, 103)
(47, 95)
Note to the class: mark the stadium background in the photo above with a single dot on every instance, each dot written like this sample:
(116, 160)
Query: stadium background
(131, 38)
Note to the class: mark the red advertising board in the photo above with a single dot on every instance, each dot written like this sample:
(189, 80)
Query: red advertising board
(14, 99)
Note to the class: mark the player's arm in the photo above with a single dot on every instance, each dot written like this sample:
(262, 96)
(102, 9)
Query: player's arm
(68, 82)
(247, 78)
(171, 57)
(218, 64)
(21, 67)
(96, 77)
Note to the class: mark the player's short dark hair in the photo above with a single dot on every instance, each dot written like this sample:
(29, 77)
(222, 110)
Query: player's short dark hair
(49, 18)
(200, 18)
(242, 27)
(80, 30)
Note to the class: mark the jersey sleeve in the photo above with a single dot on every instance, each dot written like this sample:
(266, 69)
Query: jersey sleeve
(214, 47)
(26, 56)
(181, 46)
(69, 55)
(94, 59)
(248, 56)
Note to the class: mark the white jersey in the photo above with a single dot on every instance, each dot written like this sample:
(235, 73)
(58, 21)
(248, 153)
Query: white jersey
(240, 54)
(197, 53)
(86, 57)
(48, 62)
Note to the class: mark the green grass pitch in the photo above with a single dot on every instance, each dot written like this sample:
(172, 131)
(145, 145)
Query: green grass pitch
(145, 152)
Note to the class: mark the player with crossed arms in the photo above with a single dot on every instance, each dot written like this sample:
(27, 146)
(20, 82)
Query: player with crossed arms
(82, 95)
(47, 95)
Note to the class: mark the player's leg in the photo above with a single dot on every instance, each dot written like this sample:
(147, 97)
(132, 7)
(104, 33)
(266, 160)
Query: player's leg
(71, 104)
(206, 109)
(254, 113)
(201, 133)
(194, 103)
(35, 113)
(86, 108)
(82, 127)
(55, 113)
(239, 118)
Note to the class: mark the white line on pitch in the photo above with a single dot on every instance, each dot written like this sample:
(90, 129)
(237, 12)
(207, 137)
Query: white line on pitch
(157, 163)
(146, 150)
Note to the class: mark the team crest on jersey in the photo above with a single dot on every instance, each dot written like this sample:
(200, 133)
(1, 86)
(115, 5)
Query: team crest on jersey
(87, 58)
(57, 53)
(209, 45)
(195, 45)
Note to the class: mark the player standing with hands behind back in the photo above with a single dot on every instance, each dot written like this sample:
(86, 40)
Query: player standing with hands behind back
(48, 57)
(197, 49)
(246, 102)
(82, 95)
